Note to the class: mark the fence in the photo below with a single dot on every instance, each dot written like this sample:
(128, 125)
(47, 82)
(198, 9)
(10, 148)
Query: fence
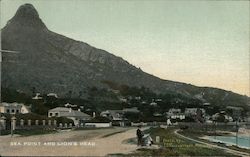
(6, 124)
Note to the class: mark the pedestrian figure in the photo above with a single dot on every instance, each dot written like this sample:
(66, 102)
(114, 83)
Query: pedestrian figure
(139, 134)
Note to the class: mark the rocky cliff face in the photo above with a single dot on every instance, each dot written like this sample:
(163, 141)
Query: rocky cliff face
(51, 62)
(54, 63)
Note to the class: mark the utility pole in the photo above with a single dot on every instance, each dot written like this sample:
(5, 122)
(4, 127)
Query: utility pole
(236, 114)
(236, 135)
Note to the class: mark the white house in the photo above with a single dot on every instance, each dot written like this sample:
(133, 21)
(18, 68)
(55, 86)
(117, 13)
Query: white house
(113, 114)
(70, 105)
(25, 109)
(194, 111)
(52, 95)
(131, 110)
(76, 116)
(153, 104)
(37, 97)
(137, 98)
(123, 99)
(14, 108)
(174, 113)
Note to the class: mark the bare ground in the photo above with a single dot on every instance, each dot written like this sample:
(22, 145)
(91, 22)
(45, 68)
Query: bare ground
(95, 144)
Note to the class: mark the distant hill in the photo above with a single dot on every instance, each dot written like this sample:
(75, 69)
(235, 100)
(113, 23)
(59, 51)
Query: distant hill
(50, 62)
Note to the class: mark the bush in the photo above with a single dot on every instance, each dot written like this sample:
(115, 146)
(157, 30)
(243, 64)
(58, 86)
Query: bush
(100, 119)
(64, 120)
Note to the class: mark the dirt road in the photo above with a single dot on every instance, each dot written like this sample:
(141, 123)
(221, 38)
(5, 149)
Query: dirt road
(70, 143)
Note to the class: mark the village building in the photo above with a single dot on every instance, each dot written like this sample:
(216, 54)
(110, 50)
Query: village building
(222, 116)
(37, 97)
(116, 115)
(131, 110)
(137, 98)
(206, 104)
(154, 104)
(175, 114)
(25, 109)
(158, 100)
(156, 114)
(14, 108)
(76, 116)
(194, 112)
(52, 95)
(70, 105)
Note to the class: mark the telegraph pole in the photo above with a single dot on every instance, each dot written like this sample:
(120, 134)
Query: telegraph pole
(237, 128)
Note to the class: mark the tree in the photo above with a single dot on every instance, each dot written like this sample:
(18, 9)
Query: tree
(33, 90)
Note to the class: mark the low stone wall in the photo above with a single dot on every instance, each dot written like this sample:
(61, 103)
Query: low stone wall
(98, 125)
(32, 124)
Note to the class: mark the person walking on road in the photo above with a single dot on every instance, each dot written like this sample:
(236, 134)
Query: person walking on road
(139, 134)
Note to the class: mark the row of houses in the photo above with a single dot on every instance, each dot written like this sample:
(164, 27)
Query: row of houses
(117, 115)
(76, 115)
(200, 114)
(14, 108)
(38, 96)
(79, 117)
(174, 113)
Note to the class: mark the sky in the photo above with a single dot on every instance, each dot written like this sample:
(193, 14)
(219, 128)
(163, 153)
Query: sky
(204, 43)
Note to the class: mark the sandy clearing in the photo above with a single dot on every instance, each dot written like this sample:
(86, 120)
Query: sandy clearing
(102, 146)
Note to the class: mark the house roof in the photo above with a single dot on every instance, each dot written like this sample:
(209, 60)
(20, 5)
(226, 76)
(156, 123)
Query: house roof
(60, 109)
(68, 112)
(116, 114)
(234, 108)
(14, 104)
(174, 109)
(133, 109)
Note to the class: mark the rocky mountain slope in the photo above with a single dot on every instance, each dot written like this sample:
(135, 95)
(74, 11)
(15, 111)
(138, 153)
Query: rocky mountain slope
(50, 62)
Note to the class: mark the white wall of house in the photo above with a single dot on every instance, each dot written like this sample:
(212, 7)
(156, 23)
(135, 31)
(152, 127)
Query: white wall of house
(53, 114)
(14, 108)
(11, 109)
(1, 109)
(76, 119)
(182, 116)
(138, 124)
(24, 109)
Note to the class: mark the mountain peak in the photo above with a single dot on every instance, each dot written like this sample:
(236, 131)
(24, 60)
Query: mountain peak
(27, 16)
(27, 11)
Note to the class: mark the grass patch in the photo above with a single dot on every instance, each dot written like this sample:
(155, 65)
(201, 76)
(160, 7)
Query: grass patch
(34, 132)
(196, 134)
